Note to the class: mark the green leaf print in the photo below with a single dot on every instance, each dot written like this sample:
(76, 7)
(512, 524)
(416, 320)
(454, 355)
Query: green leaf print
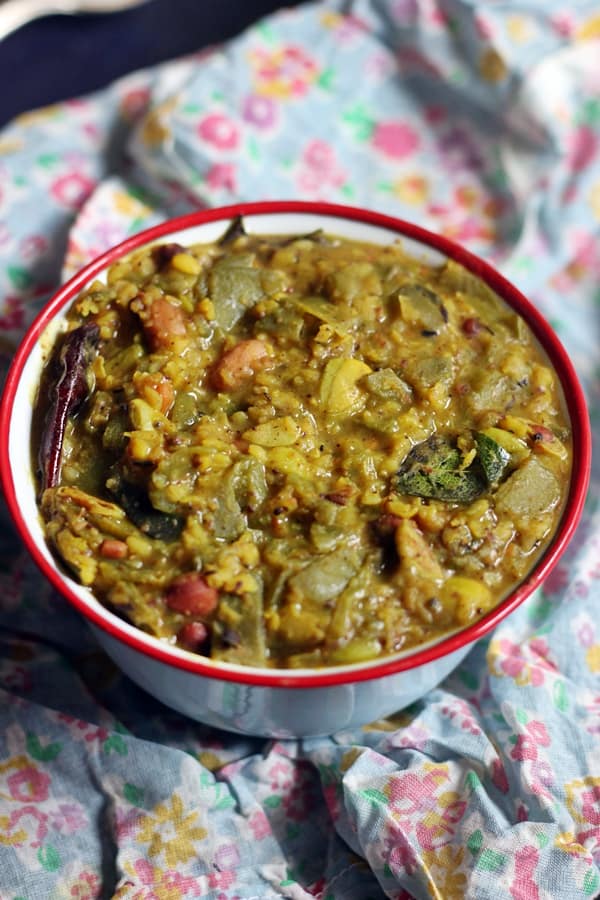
(360, 121)
(560, 696)
(376, 797)
(273, 801)
(19, 277)
(116, 744)
(491, 861)
(542, 839)
(472, 780)
(475, 842)
(48, 858)
(42, 753)
(326, 78)
(591, 883)
(521, 716)
(133, 794)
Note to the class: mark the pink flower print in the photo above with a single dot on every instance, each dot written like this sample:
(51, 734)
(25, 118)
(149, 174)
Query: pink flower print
(227, 857)
(522, 813)
(563, 23)
(259, 111)
(16, 825)
(524, 749)
(87, 886)
(394, 139)
(221, 177)
(523, 886)
(33, 246)
(586, 635)
(221, 879)
(332, 799)
(414, 736)
(220, 131)
(260, 826)
(590, 804)
(542, 778)
(405, 11)
(319, 168)
(484, 27)
(169, 883)
(556, 581)
(538, 732)
(68, 818)
(499, 777)
(134, 102)
(280, 772)
(28, 785)
(401, 857)
(458, 150)
(72, 189)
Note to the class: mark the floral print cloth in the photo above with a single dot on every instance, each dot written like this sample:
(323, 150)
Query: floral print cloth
(480, 121)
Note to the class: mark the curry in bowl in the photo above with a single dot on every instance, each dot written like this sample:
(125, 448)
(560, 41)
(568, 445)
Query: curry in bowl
(298, 451)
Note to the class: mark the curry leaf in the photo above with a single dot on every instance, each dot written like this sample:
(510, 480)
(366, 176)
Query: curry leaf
(493, 458)
(434, 469)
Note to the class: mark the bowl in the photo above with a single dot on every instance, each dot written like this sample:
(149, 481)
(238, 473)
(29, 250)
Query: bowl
(245, 699)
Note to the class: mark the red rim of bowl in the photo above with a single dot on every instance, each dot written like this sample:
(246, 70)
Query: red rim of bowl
(574, 398)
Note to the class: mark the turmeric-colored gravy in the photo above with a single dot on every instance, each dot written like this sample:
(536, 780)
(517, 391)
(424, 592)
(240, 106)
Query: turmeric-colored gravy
(299, 451)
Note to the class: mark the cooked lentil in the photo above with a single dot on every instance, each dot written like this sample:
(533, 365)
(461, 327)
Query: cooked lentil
(299, 451)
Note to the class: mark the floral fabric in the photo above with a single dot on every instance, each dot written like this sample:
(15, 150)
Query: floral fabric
(477, 120)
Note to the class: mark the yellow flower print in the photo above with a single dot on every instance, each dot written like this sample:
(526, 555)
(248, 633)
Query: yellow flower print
(595, 200)
(590, 29)
(592, 658)
(413, 189)
(170, 832)
(583, 800)
(17, 837)
(130, 206)
(155, 128)
(492, 66)
(566, 842)
(519, 29)
(446, 881)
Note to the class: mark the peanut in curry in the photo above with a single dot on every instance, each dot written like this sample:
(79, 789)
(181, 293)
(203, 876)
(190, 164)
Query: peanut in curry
(298, 451)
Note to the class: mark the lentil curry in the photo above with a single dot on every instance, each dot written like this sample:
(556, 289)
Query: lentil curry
(298, 451)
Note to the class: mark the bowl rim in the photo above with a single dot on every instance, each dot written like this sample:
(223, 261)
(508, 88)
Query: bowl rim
(325, 676)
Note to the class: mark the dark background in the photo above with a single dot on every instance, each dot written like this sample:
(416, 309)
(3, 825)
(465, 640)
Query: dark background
(64, 56)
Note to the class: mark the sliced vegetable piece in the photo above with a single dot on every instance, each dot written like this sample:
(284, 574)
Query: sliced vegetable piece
(322, 309)
(72, 388)
(493, 457)
(388, 386)
(514, 446)
(422, 307)
(434, 468)
(234, 286)
(238, 630)
(340, 393)
(417, 556)
(530, 490)
(325, 577)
